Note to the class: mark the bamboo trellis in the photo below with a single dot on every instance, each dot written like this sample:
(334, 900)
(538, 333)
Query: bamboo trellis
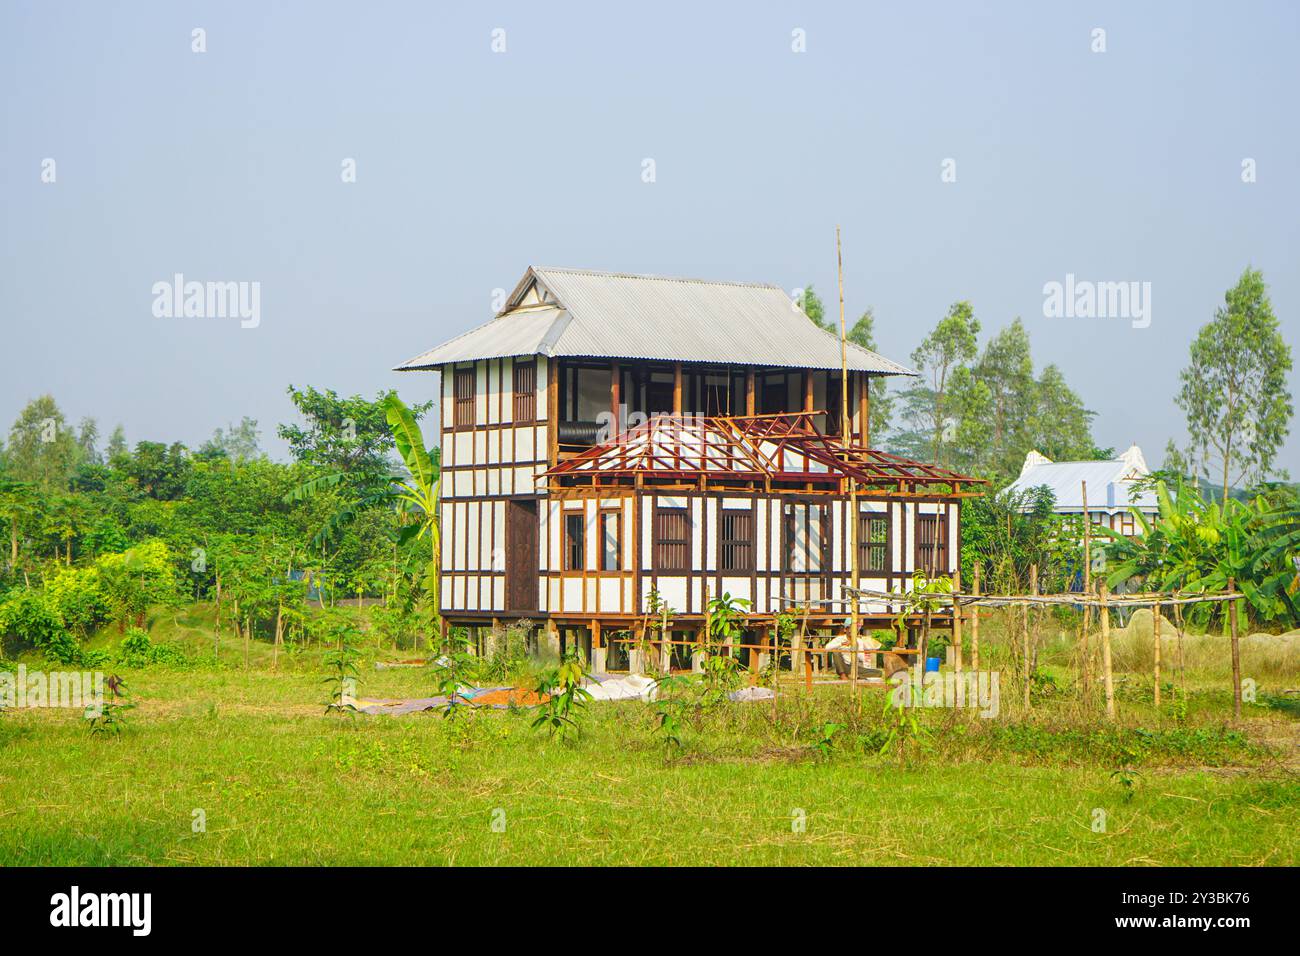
(1103, 601)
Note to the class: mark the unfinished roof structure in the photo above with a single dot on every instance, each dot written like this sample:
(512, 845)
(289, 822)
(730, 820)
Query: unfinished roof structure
(575, 313)
(767, 449)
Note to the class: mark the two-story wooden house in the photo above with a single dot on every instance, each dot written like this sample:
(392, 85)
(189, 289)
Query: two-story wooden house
(610, 440)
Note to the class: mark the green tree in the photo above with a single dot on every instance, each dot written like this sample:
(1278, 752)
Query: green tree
(87, 440)
(881, 403)
(18, 503)
(1058, 425)
(347, 435)
(1234, 391)
(117, 447)
(237, 443)
(811, 304)
(1007, 369)
(157, 470)
(42, 448)
(950, 345)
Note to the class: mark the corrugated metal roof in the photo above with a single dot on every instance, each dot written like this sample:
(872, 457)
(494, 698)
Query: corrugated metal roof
(1109, 483)
(615, 315)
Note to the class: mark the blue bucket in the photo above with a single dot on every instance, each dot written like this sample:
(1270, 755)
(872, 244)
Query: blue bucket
(932, 665)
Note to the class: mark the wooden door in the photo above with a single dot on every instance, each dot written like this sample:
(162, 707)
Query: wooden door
(521, 554)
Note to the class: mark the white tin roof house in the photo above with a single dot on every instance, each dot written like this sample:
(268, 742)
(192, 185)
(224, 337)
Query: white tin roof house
(1109, 487)
(609, 437)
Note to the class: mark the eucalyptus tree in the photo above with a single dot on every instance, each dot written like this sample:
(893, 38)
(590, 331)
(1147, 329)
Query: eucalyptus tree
(1234, 390)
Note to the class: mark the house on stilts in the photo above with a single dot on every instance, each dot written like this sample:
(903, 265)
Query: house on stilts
(610, 440)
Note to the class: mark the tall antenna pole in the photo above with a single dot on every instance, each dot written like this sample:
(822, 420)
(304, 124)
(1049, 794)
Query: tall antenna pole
(846, 430)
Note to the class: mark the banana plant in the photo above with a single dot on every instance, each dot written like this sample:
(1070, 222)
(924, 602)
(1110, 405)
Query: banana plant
(418, 493)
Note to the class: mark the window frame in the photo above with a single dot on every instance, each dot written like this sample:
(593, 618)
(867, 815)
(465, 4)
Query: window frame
(524, 404)
(464, 386)
(570, 540)
(661, 543)
(824, 531)
(923, 552)
(865, 544)
(605, 516)
(733, 546)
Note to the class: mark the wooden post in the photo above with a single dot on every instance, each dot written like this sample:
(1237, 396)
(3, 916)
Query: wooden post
(749, 391)
(1236, 653)
(1024, 627)
(807, 658)
(553, 412)
(1182, 669)
(616, 424)
(956, 621)
(1107, 678)
(1087, 590)
(1155, 630)
(807, 391)
(846, 438)
(975, 621)
(677, 388)
(864, 408)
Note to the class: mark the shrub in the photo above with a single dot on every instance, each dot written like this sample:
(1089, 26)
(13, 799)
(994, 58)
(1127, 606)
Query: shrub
(138, 650)
(33, 618)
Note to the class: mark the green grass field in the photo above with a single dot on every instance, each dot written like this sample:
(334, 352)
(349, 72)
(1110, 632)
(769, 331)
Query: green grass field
(276, 781)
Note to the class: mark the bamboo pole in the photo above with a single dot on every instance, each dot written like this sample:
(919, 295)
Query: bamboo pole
(1236, 654)
(1155, 631)
(1182, 660)
(1084, 650)
(956, 623)
(846, 428)
(803, 645)
(975, 623)
(1024, 637)
(1104, 614)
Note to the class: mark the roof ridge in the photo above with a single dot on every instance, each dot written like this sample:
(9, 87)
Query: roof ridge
(661, 278)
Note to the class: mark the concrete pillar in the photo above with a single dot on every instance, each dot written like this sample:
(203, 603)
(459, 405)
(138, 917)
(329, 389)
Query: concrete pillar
(551, 647)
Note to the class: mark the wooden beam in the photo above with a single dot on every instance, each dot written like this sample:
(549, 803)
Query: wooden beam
(1105, 653)
(864, 409)
(614, 382)
(1236, 653)
(552, 412)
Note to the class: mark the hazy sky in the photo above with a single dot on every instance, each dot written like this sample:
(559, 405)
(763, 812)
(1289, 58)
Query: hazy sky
(1123, 165)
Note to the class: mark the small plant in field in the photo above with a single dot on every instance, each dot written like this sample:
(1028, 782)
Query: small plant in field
(341, 667)
(721, 670)
(826, 740)
(454, 672)
(670, 705)
(902, 723)
(1127, 778)
(567, 700)
(110, 716)
(658, 620)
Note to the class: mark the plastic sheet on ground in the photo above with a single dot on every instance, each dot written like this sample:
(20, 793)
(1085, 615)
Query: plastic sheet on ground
(493, 698)
(747, 694)
(621, 687)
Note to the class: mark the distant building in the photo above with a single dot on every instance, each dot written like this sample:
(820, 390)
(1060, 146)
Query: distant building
(1109, 487)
